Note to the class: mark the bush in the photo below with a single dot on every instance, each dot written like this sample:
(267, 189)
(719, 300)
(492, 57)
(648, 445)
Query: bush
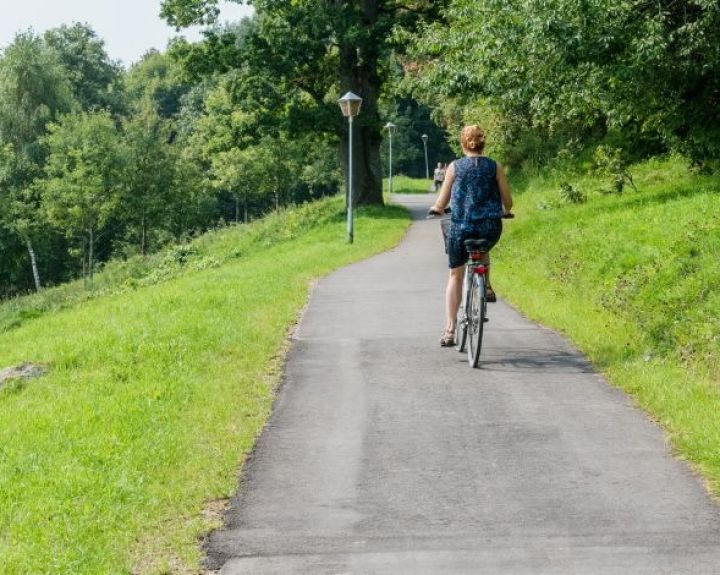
(611, 163)
(571, 194)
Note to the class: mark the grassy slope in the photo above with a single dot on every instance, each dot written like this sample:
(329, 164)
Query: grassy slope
(155, 395)
(634, 281)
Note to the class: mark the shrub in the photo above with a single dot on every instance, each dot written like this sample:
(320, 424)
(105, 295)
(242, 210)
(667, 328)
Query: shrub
(571, 194)
(610, 162)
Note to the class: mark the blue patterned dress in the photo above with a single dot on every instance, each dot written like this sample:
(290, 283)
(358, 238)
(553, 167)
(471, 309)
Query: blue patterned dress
(476, 206)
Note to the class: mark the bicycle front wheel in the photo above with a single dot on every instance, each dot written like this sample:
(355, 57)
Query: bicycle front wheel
(477, 307)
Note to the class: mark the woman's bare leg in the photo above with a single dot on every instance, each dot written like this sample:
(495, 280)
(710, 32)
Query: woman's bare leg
(453, 293)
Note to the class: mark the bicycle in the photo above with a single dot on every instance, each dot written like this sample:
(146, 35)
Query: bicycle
(472, 313)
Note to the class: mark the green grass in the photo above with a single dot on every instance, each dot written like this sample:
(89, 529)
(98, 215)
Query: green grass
(633, 280)
(157, 390)
(210, 250)
(406, 185)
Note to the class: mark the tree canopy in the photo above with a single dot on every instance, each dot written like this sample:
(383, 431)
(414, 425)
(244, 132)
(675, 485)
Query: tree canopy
(246, 120)
(299, 57)
(96, 81)
(651, 69)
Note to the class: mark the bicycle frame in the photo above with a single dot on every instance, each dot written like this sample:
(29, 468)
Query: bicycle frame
(472, 312)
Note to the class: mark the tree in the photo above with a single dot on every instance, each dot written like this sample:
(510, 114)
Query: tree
(156, 83)
(148, 175)
(83, 177)
(318, 170)
(651, 69)
(157, 198)
(305, 54)
(214, 134)
(195, 207)
(238, 172)
(33, 92)
(412, 120)
(96, 80)
(262, 172)
(11, 246)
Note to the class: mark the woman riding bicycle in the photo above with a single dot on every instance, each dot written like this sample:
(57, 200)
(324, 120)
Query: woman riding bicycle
(478, 192)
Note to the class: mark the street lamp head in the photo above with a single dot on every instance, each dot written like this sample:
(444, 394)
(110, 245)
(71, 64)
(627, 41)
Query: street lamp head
(389, 127)
(424, 138)
(350, 104)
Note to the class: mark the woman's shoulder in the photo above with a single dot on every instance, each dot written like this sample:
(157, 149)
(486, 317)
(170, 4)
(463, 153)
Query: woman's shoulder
(491, 163)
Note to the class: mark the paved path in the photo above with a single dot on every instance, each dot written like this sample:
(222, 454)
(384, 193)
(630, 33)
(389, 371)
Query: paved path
(387, 454)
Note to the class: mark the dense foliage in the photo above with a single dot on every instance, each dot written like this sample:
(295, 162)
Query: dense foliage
(572, 70)
(98, 162)
(291, 66)
(246, 120)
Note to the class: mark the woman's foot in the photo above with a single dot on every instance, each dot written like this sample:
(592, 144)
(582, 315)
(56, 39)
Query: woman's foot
(448, 338)
(490, 295)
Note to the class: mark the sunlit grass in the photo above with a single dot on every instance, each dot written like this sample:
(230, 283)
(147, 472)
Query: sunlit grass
(405, 185)
(154, 396)
(207, 251)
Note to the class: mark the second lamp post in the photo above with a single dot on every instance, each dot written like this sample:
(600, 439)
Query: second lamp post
(427, 167)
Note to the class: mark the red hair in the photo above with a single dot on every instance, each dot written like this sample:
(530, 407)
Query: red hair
(472, 138)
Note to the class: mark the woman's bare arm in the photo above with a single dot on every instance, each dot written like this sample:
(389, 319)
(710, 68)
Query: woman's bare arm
(504, 186)
(443, 198)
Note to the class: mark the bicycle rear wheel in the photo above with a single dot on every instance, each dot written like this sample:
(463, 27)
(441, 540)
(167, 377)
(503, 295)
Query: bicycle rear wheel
(477, 307)
(461, 320)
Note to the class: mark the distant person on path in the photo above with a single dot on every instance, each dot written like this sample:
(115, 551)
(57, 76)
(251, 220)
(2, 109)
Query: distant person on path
(478, 192)
(438, 176)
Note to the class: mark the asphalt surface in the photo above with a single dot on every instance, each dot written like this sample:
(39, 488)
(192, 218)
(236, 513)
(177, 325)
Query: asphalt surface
(387, 454)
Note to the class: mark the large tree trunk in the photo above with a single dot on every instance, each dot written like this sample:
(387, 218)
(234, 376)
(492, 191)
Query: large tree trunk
(33, 263)
(359, 74)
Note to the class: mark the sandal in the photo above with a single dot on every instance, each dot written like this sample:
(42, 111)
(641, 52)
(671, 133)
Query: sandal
(448, 339)
(490, 296)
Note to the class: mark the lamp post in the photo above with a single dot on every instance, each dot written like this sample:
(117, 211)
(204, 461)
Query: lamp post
(350, 107)
(427, 167)
(390, 127)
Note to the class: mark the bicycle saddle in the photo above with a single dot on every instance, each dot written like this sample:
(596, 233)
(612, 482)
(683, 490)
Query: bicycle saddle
(477, 245)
